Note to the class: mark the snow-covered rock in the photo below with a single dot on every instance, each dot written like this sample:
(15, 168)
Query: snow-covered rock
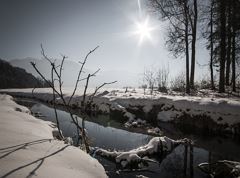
(155, 131)
(135, 123)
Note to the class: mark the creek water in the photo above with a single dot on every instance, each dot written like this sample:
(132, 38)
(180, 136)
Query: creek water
(107, 133)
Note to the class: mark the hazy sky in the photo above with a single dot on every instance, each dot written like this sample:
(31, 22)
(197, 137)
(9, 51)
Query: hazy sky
(73, 27)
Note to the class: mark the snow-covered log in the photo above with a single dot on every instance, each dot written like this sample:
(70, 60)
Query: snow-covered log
(139, 155)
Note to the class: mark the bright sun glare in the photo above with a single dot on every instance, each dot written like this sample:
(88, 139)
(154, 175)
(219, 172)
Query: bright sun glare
(144, 30)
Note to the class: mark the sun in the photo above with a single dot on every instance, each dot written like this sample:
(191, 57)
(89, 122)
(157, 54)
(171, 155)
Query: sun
(143, 29)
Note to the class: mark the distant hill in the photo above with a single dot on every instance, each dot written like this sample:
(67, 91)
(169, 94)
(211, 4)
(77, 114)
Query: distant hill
(69, 74)
(15, 77)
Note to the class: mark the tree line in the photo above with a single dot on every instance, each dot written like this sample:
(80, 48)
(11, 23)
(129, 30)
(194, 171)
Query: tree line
(216, 21)
(15, 77)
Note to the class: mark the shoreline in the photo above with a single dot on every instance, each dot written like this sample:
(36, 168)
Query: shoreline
(213, 115)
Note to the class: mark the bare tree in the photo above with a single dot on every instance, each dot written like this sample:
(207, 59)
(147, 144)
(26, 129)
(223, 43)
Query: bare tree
(211, 45)
(162, 79)
(182, 16)
(178, 83)
(210, 33)
(144, 87)
(56, 76)
(222, 12)
(193, 18)
(150, 77)
(235, 27)
(229, 42)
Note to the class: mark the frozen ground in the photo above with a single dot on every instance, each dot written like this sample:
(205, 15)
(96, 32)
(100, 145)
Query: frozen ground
(27, 148)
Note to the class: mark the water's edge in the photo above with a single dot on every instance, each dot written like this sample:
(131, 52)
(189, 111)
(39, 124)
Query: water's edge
(110, 134)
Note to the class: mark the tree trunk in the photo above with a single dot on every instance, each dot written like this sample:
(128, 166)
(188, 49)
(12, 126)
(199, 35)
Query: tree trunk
(222, 45)
(187, 48)
(54, 106)
(234, 66)
(229, 37)
(211, 47)
(234, 47)
(194, 36)
(83, 107)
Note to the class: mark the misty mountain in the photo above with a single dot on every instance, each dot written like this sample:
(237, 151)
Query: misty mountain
(69, 73)
(15, 77)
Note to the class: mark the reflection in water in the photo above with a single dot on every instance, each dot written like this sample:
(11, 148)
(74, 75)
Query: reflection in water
(105, 137)
(107, 133)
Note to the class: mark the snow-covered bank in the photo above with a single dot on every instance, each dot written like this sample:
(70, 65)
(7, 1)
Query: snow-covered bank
(220, 111)
(27, 148)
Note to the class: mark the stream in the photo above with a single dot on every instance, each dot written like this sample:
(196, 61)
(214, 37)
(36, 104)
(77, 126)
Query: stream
(108, 133)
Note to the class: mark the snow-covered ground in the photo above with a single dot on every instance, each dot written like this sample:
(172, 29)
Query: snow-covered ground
(222, 109)
(27, 148)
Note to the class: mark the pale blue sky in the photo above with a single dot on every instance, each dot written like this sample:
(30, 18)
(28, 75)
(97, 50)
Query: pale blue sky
(73, 27)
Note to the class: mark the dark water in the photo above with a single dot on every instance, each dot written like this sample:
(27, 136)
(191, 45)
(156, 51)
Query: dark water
(109, 134)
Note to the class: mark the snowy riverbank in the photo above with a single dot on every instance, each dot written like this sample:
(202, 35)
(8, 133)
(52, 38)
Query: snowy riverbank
(212, 112)
(27, 148)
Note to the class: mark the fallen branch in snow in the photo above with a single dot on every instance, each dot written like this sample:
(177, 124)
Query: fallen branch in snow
(137, 158)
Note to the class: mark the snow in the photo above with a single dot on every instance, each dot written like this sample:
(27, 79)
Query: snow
(154, 131)
(138, 154)
(118, 107)
(221, 109)
(27, 148)
(132, 122)
(226, 108)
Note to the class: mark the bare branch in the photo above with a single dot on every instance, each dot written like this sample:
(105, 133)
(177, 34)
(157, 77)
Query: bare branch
(58, 74)
(60, 94)
(80, 72)
(99, 87)
(44, 55)
(91, 75)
